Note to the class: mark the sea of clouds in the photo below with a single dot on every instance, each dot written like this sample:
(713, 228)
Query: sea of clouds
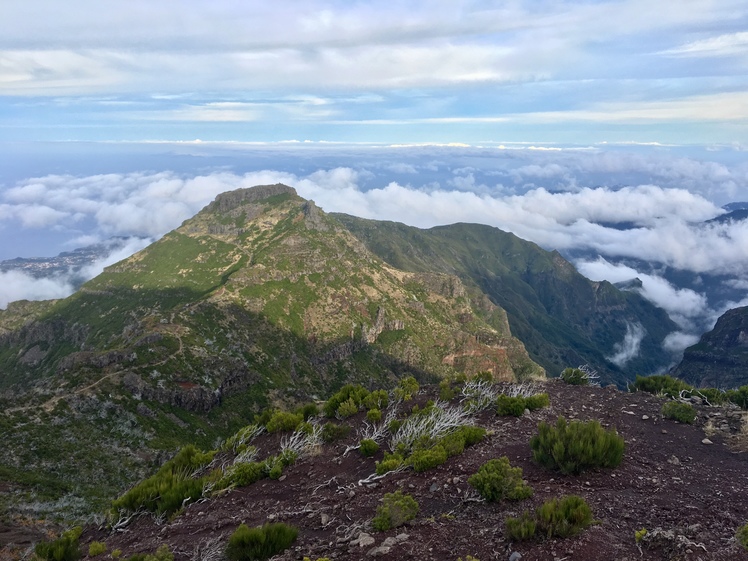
(664, 222)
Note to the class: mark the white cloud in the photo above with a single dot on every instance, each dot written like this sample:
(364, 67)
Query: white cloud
(723, 45)
(16, 285)
(629, 347)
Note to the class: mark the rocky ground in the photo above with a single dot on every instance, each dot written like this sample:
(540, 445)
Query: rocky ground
(686, 484)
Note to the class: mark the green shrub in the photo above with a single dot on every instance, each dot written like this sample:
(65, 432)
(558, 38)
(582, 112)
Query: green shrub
(537, 401)
(96, 548)
(163, 553)
(116, 553)
(659, 385)
(423, 460)
(514, 406)
(394, 425)
(739, 396)
(347, 409)
(522, 528)
(374, 415)
(742, 536)
(389, 463)
(406, 388)
(259, 543)
(284, 421)
(472, 435)
(356, 393)
(166, 490)
(496, 480)
(368, 447)
(446, 393)
(64, 548)
(563, 517)
(332, 432)
(575, 377)
(242, 474)
(308, 411)
(453, 444)
(679, 411)
(396, 509)
(572, 448)
(639, 535)
(378, 399)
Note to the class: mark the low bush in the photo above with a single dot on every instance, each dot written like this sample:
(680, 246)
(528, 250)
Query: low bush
(446, 392)
(332, 432)
(564, 517)
(378, 399)
(355, 393)
(284, 421)
(259, 543)
(497, 480)
(368, 447)
(537, 401)
(374, 415)
(396, 509)
(575, 377)
(522, 528)
(96, 548)
(242, 474)
(308, 411)
(572, 448)
(556, 518)
(166, 490)
(742, 536)
(659, 385)
(390, 463)
(163, 553)
(423, 460)
(406, 388)
(679, 411)
(64, 548)
(510, 406)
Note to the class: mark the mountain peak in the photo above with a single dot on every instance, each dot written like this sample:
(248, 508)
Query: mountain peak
(230, 200)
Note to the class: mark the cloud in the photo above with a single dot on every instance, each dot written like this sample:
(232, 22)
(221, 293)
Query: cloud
(629, 347)
(728, 44)
(19, 285)
(16, 285)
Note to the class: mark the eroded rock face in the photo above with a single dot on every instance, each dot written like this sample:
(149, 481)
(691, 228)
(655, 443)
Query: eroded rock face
(225, 202)
(720, 359)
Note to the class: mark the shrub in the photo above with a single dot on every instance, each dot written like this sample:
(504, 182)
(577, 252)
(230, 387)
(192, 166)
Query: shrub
(357, 393)
(347, 409)
(242, 474)
(389, 463)
(679, 411)
(374, 415)
(163, 553)
(394, 425)
(575, 377)
(537, 401)
(639, 535)
(423, 460)
(332, 432)
(659, 385)
(563, 517)
(739, 396)
(514, 406)
(368, 447)
(472, 435)
(572, 448)
(64, 548)
(453, 444)
(116, 553)
(496, 480)
(378, 399)
(742, 536)
(262, 542)
(96, 548)
(308, 411)
(284, 421)
(166, 490)
(446, 393)
(407, 388)
(396, 509)
(522, 528)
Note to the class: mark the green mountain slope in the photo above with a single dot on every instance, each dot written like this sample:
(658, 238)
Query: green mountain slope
(720, 358)
(562, 317)
(259, 299)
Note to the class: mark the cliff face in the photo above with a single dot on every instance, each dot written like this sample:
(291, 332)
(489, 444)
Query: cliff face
(720, 358)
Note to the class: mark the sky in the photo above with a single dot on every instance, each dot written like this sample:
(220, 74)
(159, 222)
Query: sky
(471, 71)
(613, 131)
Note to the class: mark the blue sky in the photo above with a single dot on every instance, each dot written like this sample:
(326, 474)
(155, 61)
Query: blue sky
(670, 71)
